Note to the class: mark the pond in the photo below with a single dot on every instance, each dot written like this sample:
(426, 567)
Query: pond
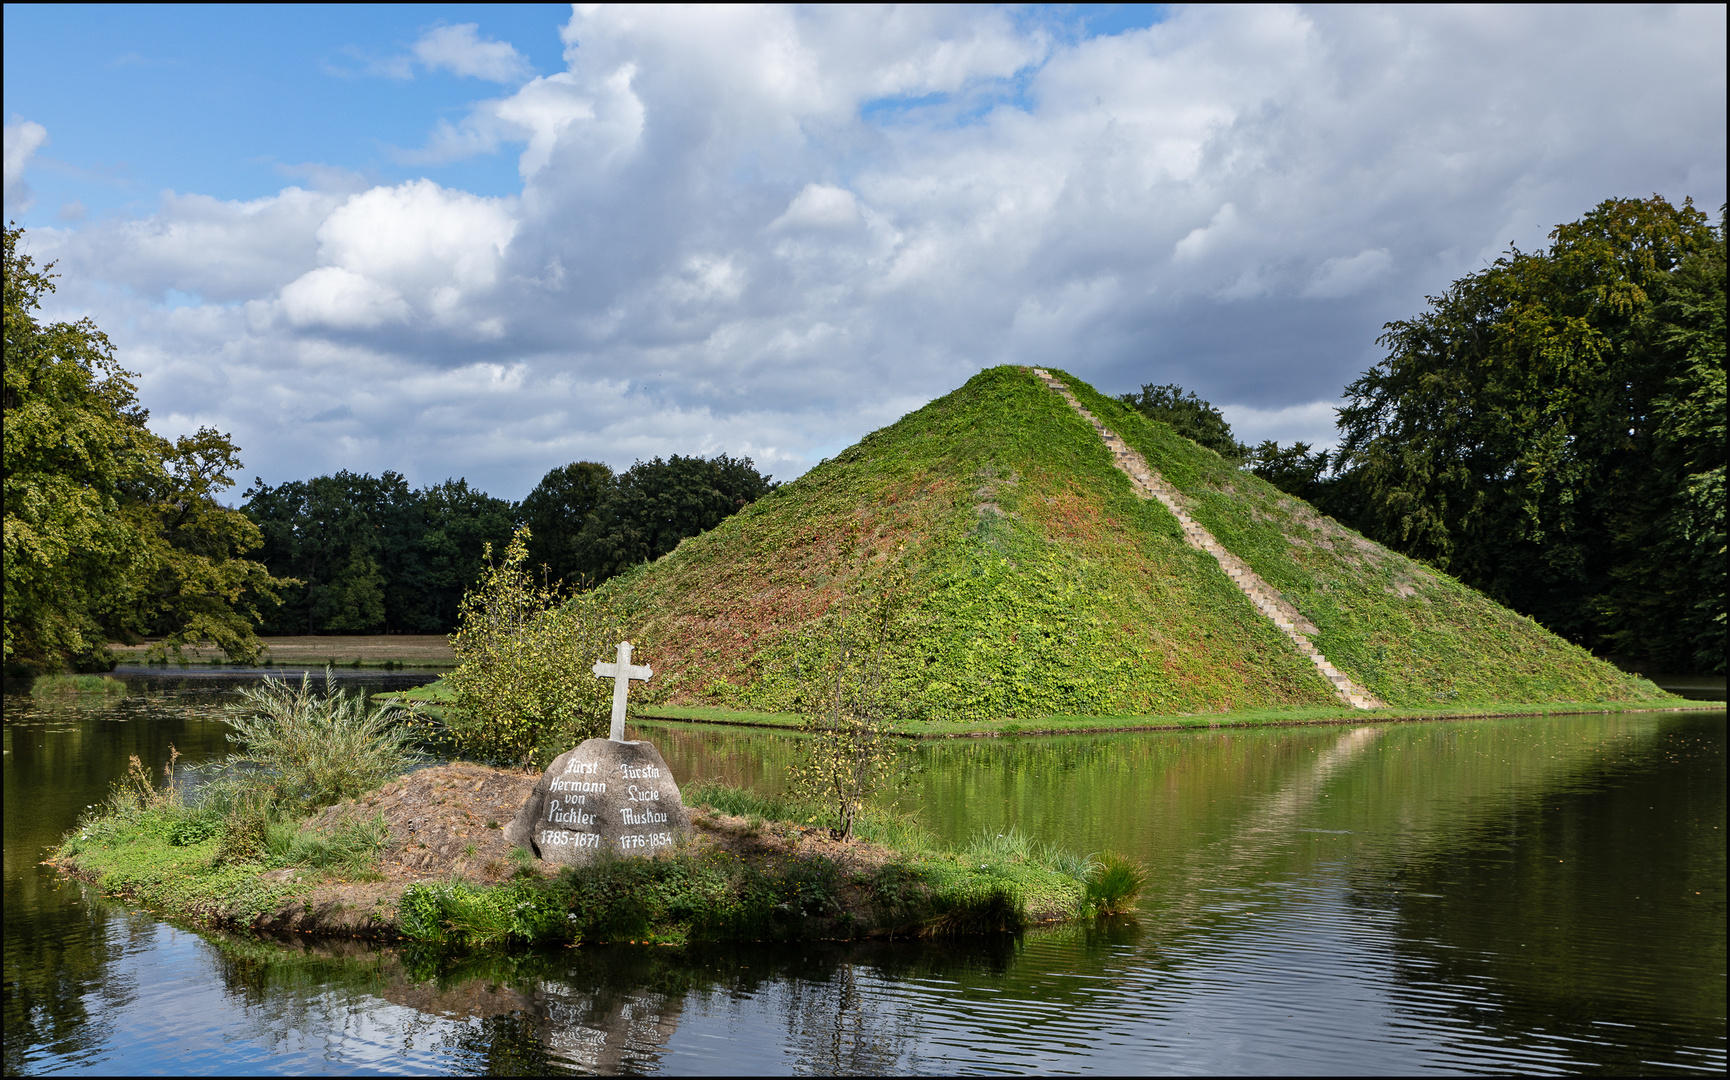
(1532, 895)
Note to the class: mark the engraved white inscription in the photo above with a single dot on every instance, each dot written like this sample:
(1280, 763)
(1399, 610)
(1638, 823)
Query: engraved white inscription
(561, 838)
(592, 787)
(564, 814)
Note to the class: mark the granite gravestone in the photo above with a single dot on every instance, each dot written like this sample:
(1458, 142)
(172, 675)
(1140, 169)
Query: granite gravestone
(606, 796)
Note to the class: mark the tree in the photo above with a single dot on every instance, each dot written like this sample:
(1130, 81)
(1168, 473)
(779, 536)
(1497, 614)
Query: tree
(371, 554)
(1669, 588)
(195, 587)
(566, 503)
(659, 503)
(325, 532)
(849, 706)
(1551, 431)
(1296, 469)
(461, 524)
(1318, 477)
(1188, 415)
(109, 528)
(524, 686)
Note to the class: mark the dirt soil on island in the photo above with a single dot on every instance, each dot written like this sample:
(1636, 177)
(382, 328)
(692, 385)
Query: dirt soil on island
(446, 823)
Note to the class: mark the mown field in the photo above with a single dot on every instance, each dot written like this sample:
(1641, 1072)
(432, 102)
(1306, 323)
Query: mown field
(360, 650)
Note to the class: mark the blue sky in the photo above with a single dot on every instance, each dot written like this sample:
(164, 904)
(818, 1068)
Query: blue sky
(253, 93)
(486, 241)
(264, 96)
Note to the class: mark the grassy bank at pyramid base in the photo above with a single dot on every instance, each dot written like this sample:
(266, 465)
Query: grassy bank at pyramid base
(746, 874)
(1009, 572)
(436, 696)
(1076, 725)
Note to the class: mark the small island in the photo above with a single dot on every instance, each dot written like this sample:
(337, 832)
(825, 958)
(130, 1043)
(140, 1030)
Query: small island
(424, 857)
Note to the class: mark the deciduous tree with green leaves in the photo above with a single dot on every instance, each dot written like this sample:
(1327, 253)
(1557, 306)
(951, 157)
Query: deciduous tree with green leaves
(371, 554)
(849, 703)
(110, 530)
(1551, 430)
(656, 504)
(1188, 415)
(562, 513)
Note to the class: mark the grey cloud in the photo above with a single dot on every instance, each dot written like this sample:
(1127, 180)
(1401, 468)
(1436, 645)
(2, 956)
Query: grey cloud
(718, 246)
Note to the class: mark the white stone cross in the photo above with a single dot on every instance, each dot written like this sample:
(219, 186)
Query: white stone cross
(621, 673)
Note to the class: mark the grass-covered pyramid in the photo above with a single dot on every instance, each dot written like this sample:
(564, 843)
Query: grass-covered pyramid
(1026, 579)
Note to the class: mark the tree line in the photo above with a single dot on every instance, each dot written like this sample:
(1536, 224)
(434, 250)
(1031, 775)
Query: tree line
(1550, 430)
(371, 555)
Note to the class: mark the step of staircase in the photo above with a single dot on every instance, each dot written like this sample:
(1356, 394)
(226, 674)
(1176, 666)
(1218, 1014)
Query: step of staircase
(1146, 482)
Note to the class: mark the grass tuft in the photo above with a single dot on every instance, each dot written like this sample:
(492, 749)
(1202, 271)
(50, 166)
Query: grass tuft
(1011, 844)
(1113, 883)
(740, 802)
(311, 749)
(62, 685)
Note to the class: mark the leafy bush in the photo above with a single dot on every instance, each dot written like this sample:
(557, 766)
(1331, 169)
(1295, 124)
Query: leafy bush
(195, 828)
(523, 687)
(247, 826)
(314, 749)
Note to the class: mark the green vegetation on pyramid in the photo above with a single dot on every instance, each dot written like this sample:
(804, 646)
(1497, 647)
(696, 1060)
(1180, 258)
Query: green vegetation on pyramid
(1413, 635)
(1022, 577)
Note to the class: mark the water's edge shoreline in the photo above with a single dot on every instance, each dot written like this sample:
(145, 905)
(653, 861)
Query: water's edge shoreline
(1103, 726)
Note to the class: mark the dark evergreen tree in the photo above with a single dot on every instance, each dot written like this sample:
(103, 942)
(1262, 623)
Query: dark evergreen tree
(659, 503)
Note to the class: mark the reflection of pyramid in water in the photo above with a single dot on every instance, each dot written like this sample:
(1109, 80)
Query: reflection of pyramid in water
(1050, 551)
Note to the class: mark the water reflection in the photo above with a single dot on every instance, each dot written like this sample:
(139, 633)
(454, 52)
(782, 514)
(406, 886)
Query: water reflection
(1539, 895)
(1550, 903)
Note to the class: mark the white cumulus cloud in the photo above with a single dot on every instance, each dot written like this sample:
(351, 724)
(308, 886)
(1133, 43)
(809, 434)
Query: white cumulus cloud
(769, 230)
(333, 296)
(22, 139)
(460, 50)
(820, 206)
